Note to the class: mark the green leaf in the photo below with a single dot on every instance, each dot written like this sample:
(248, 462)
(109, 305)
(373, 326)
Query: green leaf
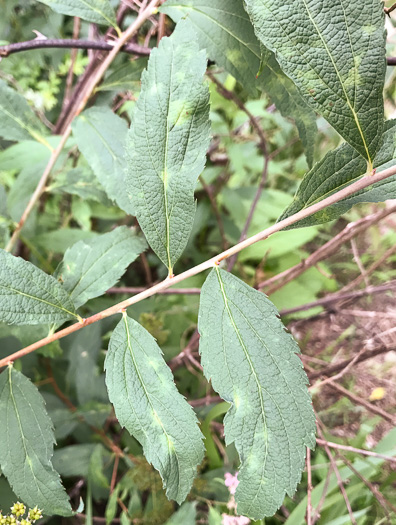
(30, 296)
(100, 136)
(91, 267)
(18, 122)
(334, 51)
(253, 364)
(81, 182)
(337, 170)
(186, 515)
(167, 143)
(148, 405)
(125, 77)
(26, 445)
(217, 22)
(96, 11)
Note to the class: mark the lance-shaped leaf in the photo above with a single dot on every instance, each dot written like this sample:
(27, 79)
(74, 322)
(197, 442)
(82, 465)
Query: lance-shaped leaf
(338, 169)
(148, 405)
(253, 364)
(334, 51)
(30, 296)
(89, 268)
(100, 136)
(96, 11)
(26, 445)
(224, 29)
(17, 120)
(167, 143)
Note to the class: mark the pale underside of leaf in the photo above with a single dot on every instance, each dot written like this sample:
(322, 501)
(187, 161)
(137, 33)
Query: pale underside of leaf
(27, 444)
(167, 143)
(334, 51)
(252, 363)
(100, 136)
(148, 405)
(29, 296)
(18, 122)
(337, 170)
(89, 268)
(219, 21)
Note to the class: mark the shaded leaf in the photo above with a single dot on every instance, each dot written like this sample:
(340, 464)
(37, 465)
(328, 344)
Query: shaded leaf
(91, 267)
(334, 51)
(96, 11)
(100, 136)
(186, 515)
(148, 405)
(224, 29)
(167, 143)
(124, 77)
(253, 364)
(26, 446)
(18, 122)
(338, 169)
(30, 296)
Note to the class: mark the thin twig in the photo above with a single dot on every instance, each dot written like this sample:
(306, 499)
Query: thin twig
(349, 232)
(338, 476)
(114, 474)
(339, 375)
(367, 354)
(359, 401)
(388, 10)
(309, 488)
(316, 515)
(212, 198)
(361, 451)
(91, 84)
(72, 43)
(132, 290)
(359, 263)
(338, 296)
(362, 183)
(73, 57)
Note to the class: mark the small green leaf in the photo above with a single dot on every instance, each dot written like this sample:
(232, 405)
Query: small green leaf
(219, 21)
(26, 445)
(96, 11)
(124, 77)
(148, 405)
(186, 515)
(91, 267)
(167, 143)
(100, 136)
(30, 296)
(338, 169)
(18, 122)
(334, 51)
(253, 364)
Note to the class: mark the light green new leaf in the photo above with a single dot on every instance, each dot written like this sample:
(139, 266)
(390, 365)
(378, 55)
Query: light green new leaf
(225, 30)
(30, 296)
(17, 120)
(96, 11)
(148, 405)
(338, 169)
(91, 267)
(167, 143)
(334, 51)
(253, 364)
(100, 136)
(26, 445)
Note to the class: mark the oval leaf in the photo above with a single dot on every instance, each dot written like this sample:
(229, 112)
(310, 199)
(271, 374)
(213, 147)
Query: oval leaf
(334, 51)
(26, 445)
(96, 11)
(91, 267)
(338, 169)
(167, 143)
(18, 122)
(148, 405)
(100, 136)
(220, 21)
(30, 296)
(253, 364)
